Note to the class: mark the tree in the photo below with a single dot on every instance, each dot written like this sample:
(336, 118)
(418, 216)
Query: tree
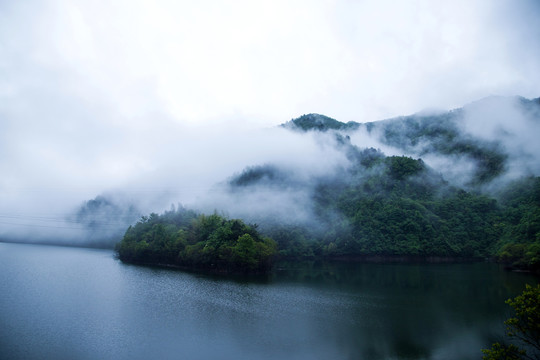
(207, 242)
(245, 252)
(523, 329)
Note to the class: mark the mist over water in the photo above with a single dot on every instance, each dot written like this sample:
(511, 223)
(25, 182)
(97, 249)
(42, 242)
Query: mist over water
(110, 111)
(194, 166)
(153, 104)
(188, 167)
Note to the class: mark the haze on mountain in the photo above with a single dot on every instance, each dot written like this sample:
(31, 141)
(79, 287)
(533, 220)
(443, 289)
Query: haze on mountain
(130, 107)
(366, 203)
(448, 142)
(314, 154)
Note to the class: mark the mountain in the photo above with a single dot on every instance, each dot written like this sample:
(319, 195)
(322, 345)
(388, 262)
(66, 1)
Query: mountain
(484, 134)
(441, 192)
(379, 205)
(104, 219)
(318, 122)
(432, 184)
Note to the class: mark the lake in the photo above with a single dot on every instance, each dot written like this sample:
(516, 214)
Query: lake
(73, 303)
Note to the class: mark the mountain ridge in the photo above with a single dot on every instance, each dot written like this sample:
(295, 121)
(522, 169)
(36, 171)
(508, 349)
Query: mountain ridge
(423, 185)
(444, 133)
(321, 122)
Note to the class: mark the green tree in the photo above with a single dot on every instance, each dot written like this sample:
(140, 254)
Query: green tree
(523, 330)
(245, 252)
(183, 238)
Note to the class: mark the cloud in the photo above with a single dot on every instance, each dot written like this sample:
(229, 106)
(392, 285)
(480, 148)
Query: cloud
(268, 61)
(163, 99)
(508, 121)
(150, 168)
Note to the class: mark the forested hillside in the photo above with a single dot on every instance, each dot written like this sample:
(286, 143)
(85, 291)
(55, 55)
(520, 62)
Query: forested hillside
(519, 242)
(444, 191)
(188, 240)
(487, 146)
(401, 206)
(391, 206)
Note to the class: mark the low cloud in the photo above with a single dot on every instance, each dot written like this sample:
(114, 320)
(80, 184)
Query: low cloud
(160, 102)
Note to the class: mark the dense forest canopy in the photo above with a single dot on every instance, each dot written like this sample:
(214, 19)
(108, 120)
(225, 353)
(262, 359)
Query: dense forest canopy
(403, 209)
(373, 204)
(398, 211)
(188, 240)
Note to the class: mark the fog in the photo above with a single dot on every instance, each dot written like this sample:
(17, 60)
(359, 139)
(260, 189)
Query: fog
(148, 168)
(148, 105)
(515, 128)
(157, 167)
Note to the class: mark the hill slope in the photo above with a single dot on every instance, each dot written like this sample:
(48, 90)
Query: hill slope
(440, 187)
(490, 135)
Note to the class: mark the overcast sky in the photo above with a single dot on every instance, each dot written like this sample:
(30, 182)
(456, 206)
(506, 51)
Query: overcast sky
(95, 93)
(266, 61)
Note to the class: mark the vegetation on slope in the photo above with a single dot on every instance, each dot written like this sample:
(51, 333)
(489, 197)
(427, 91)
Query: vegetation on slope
(400, 209)
(318, 122)
(206, 242)
(519, 244)
(377, 205)
(382, 206)
(397, 206)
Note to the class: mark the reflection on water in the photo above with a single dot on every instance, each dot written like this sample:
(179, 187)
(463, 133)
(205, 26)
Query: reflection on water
(66, 303)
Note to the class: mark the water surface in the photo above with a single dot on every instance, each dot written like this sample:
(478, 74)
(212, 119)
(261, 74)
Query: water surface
(71, 303)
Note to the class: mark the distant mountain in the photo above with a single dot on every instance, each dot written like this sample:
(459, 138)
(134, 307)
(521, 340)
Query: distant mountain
(449, 134)
(455, 184)
(104, 220)
(404, 205)
(318, 122)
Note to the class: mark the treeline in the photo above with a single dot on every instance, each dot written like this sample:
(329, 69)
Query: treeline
(376, 205)
(398, 207)
(188, 240)
(388, 217)
(519, 243)
(383, 206)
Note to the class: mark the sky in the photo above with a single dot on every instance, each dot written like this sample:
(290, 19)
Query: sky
(265, 62)
(152, 95)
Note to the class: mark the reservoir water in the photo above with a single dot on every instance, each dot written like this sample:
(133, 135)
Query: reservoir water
(72, 303)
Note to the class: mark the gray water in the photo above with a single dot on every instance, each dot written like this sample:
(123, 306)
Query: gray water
(71, 303)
